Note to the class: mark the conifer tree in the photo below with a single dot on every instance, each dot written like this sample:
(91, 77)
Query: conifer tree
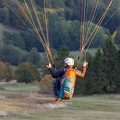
(117, 77)
(98, 73)
(86, 85)
(110, 65)
(63, 52)
(117, 36)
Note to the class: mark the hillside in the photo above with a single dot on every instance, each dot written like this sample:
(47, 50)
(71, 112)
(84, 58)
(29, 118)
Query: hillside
(63, 20)
(9, 29)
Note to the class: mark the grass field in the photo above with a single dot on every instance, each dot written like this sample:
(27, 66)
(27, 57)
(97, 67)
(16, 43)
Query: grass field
(92, 51)
(23, 102)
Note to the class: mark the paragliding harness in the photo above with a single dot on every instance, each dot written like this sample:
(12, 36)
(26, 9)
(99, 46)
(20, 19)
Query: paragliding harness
(56, 86)
(67, 85)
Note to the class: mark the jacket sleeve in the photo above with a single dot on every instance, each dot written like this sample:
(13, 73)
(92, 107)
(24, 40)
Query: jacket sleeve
(81, 73)
(56, 73)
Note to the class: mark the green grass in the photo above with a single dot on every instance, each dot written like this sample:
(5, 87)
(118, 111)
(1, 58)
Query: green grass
(19, 88)
(86, 108)
(82, 108)
(40, 107)
(92, 51)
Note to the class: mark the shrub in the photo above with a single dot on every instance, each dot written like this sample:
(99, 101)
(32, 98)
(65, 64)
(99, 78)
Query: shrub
(27, 73)
(5, 72)
(46, 84)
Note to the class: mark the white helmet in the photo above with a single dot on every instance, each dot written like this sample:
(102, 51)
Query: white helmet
(69, 61)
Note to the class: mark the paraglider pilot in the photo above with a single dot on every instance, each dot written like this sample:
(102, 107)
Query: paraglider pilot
(65, 78)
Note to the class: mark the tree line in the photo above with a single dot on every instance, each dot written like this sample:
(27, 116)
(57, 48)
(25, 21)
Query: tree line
(103, 72)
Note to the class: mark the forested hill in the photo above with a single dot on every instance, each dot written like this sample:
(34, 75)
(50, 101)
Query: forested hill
(64, 19)
(64, 26)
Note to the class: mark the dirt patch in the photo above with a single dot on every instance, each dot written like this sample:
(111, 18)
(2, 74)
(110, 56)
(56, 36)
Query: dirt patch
(26, 103)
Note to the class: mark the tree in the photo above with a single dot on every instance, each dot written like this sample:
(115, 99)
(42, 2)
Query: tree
(117, 36)
(110, 64)
(4, 16)
(27, 73)
(98, 74)
(117, 71)
(10, 54)
(58, 58)
(61, 33)
(6, 72)
(86, 85)
(31, 41)
(65, 33)
(103, 71)
(74, 34)
(13, 39)
(98, 38)
(34, 58)
(114, 22)
(57, 4)
(63, 52)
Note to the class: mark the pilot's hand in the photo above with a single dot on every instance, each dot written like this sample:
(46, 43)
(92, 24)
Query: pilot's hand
(85, 64)
(49, 65)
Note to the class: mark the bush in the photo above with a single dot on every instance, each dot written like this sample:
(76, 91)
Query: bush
(27, 73)
(5, 72)
(46, 84)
